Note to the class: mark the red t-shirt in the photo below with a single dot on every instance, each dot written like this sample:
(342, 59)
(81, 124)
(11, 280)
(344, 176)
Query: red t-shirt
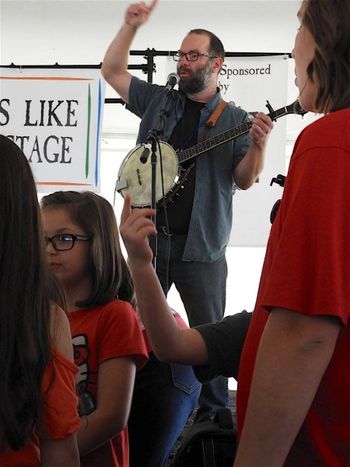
(108, 331)
(307, 270)
(59, 412)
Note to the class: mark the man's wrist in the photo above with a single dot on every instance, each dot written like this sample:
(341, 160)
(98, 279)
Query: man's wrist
(260, 145)
(133, 27)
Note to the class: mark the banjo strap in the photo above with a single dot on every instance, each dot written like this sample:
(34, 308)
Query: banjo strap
(214, 117)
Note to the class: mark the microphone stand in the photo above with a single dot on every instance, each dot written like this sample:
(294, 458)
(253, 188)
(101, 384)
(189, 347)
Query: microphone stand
(153, 141)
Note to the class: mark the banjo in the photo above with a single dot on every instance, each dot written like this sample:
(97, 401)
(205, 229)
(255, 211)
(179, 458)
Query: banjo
(134, 175)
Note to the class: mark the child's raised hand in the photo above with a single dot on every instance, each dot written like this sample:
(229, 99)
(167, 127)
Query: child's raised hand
(135, 227)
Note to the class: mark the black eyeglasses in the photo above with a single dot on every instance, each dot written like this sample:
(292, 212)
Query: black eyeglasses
(64, 242)
(190, 56)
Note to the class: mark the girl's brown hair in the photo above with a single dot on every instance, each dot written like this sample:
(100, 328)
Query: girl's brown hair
(26, 289)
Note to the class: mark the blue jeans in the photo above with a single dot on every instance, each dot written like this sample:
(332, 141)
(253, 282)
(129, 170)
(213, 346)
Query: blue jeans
(164, 397)
(202, 288)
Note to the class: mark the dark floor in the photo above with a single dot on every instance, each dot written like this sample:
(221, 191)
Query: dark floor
(232, 406)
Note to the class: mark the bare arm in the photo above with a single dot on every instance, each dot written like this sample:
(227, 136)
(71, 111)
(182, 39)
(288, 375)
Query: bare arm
(60, 452)
(293, 355)
(114, 393)
(249, 168)
(115, 63)
(169, 342)
(60, 332)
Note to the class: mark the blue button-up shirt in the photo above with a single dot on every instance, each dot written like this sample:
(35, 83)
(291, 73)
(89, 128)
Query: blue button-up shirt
(211, 218)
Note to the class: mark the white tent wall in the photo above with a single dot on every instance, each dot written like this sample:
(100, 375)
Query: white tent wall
(79, 31)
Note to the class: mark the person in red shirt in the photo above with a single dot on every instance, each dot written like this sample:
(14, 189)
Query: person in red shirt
(84, 252)
(38, 409)
(293, 400)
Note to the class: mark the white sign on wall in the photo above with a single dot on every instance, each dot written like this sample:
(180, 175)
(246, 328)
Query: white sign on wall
(55, 116)
(250, 82)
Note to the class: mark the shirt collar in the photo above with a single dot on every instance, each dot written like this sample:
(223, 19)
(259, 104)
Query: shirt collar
(211, 105)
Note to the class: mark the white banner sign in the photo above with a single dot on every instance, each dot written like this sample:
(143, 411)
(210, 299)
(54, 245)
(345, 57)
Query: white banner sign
(55, 116)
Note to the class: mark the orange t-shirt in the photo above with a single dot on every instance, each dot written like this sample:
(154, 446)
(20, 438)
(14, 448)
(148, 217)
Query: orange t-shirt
(59, 415)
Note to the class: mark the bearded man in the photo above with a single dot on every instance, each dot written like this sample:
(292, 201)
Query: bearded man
(193, 231)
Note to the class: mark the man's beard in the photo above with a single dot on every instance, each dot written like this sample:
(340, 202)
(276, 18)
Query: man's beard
(196, 81)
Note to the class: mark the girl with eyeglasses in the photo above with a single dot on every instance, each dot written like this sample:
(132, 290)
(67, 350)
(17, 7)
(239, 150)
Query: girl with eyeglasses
(38, 409)
(84, 252)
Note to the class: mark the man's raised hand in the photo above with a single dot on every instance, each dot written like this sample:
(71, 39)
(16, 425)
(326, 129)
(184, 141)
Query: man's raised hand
(138, 13)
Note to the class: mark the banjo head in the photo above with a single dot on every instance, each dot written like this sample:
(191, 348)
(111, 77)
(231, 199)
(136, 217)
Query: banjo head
(135, 177)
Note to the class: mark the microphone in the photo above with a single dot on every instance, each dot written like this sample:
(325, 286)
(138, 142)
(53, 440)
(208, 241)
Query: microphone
(172, 81)
(145, 153)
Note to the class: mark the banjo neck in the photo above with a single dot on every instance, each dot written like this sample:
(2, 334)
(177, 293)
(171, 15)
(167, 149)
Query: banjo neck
(235, 132)
(134, 174)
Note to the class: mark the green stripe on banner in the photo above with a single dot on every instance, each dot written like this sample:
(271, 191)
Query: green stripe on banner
(87, 154)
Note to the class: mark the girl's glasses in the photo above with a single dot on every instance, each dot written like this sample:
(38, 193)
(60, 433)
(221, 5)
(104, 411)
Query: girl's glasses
(64, 242)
